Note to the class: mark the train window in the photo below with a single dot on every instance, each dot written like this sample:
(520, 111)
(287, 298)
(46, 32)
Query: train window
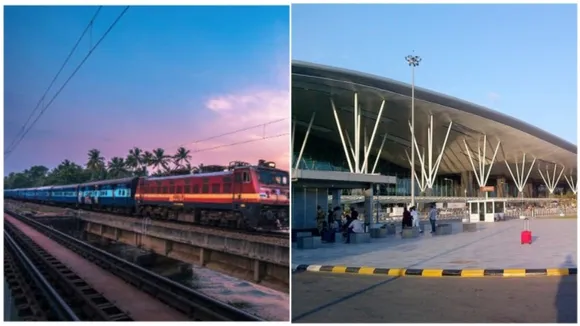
(227, 188)
(165, 189)
(187, 189)
(245, 177)
(216, 188)
(171, 189)
(237, 178)
(227, 180)
(179, 190)
(196, 189)
(205, 188)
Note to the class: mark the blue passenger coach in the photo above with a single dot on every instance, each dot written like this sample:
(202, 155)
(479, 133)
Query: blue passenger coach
(64, 194)
(118, 193)
(43, 194)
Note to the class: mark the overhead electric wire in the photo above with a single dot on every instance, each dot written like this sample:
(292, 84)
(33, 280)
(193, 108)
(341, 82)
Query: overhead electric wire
(69, 78)
(239, 143)
(89, 25)
(229, 133)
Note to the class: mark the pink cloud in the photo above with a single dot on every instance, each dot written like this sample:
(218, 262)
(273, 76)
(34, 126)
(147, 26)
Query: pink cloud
(245, 109)
(218, 114)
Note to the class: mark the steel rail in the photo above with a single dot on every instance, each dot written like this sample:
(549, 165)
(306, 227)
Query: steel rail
(56, 302)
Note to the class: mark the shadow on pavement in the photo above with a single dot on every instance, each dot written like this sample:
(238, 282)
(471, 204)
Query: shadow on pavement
(566, 301)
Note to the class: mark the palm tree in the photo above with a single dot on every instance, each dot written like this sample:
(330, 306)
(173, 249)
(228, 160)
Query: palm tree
(131, 163)
(136, 154)
(159, 159)
(182, 155)
(96, 163)
(117, 167)
(147, 157)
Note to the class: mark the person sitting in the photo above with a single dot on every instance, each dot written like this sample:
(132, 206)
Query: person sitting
(355, 226)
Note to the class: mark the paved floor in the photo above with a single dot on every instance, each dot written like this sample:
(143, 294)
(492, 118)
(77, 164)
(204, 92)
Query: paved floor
(494, 245)
(341, 298)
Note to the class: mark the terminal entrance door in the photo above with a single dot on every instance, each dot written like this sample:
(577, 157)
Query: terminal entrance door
(482, 212)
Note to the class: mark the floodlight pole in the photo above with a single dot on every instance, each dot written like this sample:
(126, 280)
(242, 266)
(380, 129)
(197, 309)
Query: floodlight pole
(413, 61)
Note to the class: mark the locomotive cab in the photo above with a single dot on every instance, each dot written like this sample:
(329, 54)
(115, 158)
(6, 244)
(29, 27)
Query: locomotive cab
(260, 193)
(273, 188)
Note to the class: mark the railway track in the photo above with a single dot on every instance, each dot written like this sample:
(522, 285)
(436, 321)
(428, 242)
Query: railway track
(195, 305)
(269, 234)
(35, 299)
(87, 303)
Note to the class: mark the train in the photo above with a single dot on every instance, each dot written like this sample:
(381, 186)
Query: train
(241, 196)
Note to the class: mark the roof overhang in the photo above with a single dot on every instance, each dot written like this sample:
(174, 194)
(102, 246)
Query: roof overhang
(314, 85)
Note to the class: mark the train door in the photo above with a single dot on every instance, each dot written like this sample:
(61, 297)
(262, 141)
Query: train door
(141, 190)
(238, 187)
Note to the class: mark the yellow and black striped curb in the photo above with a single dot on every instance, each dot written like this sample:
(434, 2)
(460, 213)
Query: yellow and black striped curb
(511, 272)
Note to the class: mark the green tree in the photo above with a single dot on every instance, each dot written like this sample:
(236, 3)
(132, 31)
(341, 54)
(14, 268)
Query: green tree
(160, 159)
(117, 168)
(96, 164)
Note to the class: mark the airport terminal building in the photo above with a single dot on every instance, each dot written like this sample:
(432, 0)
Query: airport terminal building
(352, 130)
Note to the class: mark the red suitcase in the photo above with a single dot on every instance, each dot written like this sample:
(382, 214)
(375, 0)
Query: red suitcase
(526, 236)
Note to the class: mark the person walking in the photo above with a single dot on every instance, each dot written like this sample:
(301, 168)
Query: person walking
(415, 216)
(433, 218)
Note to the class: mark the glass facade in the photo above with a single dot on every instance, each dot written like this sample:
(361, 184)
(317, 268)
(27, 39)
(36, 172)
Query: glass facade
(324, 155)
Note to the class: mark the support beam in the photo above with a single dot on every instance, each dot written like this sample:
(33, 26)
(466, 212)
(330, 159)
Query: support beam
(430, 172)
(366, 145)
(379, 154)
(341, 135)
(551, 182)
(520, 181)
(356, 134)
(368, 151)
(299, 158)
(573, 185)
(349, 143)
(356, 163)
(421, 182)
(481, 176)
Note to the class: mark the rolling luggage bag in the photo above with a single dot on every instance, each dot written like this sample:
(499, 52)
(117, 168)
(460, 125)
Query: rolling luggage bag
(526, 236)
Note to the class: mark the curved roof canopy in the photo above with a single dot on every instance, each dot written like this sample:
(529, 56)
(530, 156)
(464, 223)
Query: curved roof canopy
(314, 85)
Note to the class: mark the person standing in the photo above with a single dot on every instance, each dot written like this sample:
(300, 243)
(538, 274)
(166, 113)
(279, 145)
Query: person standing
(320, 219)
(407, 220)
(433, 218)
(415, 216)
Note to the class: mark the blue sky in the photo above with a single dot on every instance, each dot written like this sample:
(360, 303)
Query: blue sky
(164, 76)
(517, 59)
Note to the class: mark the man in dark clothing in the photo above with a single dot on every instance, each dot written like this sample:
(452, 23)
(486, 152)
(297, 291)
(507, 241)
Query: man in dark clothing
(407, 218)
(353, 213)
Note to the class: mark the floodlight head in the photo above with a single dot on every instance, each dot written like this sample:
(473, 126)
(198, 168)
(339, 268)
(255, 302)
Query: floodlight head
(413, 60)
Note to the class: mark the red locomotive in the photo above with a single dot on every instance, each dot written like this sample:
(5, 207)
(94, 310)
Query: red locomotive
(241, 196)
